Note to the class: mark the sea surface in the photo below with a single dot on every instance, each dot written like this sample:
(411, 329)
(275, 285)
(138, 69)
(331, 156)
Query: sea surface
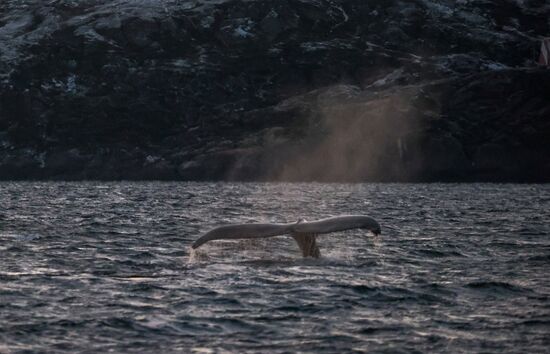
(106, 267)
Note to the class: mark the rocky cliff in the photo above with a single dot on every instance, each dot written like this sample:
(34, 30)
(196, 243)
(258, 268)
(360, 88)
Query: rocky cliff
(327, 90)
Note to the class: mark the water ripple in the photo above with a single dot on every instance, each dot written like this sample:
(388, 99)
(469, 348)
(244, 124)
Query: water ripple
(93, 267)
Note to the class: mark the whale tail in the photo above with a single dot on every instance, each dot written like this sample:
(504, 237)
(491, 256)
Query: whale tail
(303, 232)
(307, 243)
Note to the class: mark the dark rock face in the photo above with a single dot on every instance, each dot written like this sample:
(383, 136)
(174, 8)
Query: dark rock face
(339, 90)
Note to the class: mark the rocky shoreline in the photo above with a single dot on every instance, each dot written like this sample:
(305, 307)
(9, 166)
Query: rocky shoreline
(272, 90)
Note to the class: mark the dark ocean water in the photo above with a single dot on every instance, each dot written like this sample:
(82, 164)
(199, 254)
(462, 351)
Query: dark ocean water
(99, 267)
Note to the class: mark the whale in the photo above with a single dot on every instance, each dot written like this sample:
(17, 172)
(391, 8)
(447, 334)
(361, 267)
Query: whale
(303, 232)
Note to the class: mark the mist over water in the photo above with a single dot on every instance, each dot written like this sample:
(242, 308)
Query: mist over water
(352, 140)
(94, 267)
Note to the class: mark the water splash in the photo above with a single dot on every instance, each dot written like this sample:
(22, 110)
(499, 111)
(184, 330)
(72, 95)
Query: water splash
(197, 256)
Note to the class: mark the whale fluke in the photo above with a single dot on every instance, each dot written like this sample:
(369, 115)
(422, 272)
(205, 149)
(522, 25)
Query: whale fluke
(242, 231)
(338, 223)
(304, 233)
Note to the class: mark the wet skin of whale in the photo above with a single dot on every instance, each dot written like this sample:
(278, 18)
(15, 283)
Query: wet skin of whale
(303, 232)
